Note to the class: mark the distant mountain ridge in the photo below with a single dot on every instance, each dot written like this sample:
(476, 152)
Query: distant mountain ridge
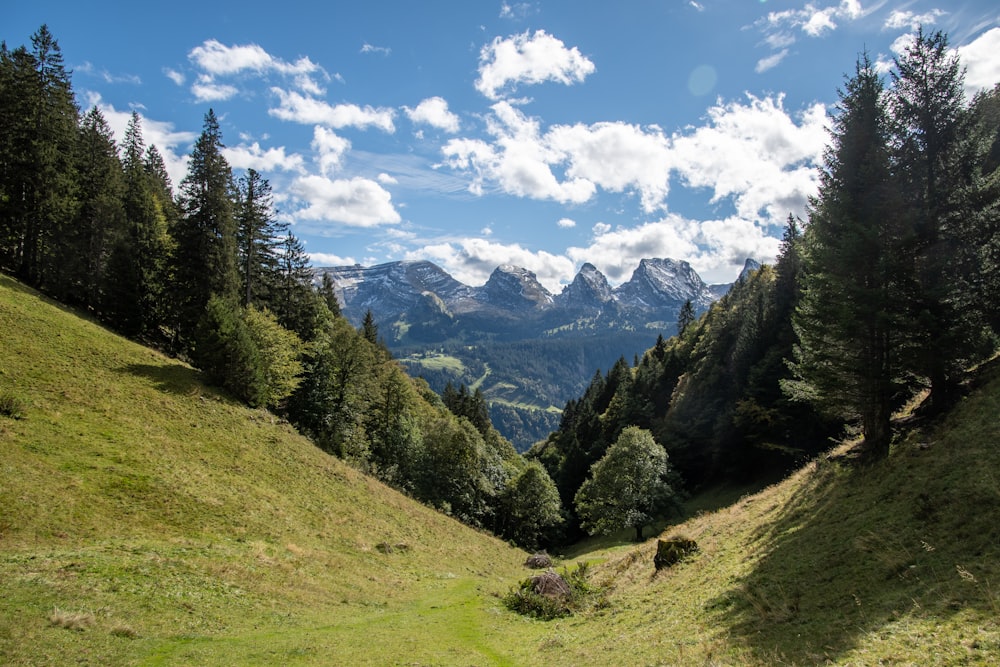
(526, 349)
(655, 292)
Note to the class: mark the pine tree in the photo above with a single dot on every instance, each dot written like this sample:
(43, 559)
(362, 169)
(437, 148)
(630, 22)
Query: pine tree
(85, 247)
(928, 108)
(38, 179)
(685, 317)
(205, 235)
(258, 236)
(849, 334)
(294, 301)
(328, 294)
(370, 330)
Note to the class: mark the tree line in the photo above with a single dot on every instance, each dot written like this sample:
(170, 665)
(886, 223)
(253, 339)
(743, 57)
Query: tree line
(887, 292)
(211, 275)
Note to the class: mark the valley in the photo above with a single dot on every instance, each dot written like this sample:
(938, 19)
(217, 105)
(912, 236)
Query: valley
(527, 350)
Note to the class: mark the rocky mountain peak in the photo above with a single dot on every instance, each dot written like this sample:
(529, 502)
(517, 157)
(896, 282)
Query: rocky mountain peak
(514, 287)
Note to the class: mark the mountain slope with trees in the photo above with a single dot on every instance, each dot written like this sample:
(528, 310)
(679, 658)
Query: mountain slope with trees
(205, 532)
(213, 277)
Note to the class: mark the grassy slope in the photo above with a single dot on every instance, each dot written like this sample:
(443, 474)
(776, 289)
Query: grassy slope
(185, 529)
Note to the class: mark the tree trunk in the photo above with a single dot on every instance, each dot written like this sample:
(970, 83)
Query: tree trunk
(638, 533)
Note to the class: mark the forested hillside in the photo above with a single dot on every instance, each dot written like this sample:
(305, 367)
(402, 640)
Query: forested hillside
(887, 293)
(212, 277)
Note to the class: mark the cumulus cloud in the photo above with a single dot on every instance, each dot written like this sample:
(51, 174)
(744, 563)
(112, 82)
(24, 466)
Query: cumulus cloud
(252, 156)
(566, 223)
(755, 153)
(529, 59)
(329, 259)
(330, 149)
(357, 202)
(778, 26)
(175, 76)
(982, 60)
(434, 111)
(472, 260)
(521, 159)
(209, 90)
(215, 58)
(715, 248)
(309, 110)
(901, 18)
(217, 62)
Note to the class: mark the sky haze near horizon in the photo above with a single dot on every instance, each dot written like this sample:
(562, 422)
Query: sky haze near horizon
(472, 134)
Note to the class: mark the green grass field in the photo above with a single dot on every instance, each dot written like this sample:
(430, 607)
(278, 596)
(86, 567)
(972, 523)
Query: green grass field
(147, 519)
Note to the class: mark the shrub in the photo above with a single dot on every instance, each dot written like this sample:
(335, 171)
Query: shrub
(11, 406)
(549, 595)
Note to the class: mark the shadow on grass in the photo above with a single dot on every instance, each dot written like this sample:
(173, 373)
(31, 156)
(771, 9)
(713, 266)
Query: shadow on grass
(172, 378)
(858, 549)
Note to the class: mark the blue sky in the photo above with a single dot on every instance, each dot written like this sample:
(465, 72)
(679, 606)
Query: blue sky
(542, 134)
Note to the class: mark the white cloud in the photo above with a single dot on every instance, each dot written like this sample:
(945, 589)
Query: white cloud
(981, 57)
(771, 61)
(472, 260)
(175, 76)
(217, 61)
(754, 153)
(566, 223)
(369, 48)
(601, 228)
(757, 155)
(328, 259)
(716, 249)
(215, 58)
(253, 156)
(519, 10)
(330, 149)
(901, 18)
(358, 202)
(812, 20)
(386, 179)
(208, 90)
(529, 59)
(311, 111)
(614, 156)
(434, 111)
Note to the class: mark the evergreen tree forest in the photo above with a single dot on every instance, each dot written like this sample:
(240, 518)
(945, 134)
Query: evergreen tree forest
(884, 293)
(207, 273)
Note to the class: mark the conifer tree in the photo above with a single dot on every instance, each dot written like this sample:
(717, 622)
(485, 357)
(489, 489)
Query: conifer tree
(138, 276)
(38, 178)
(295, 302)
(258, 236)
(928, 110)
(849, 334)
(85, 246)
(205, 235)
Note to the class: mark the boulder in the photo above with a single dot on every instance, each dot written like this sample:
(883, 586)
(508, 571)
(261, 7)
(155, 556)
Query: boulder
(672, 551)
(538, 561)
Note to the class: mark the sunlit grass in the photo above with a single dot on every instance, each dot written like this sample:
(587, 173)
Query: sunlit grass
(147, 519)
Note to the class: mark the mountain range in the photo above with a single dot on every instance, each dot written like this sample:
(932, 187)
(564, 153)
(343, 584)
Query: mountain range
(526, 349)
